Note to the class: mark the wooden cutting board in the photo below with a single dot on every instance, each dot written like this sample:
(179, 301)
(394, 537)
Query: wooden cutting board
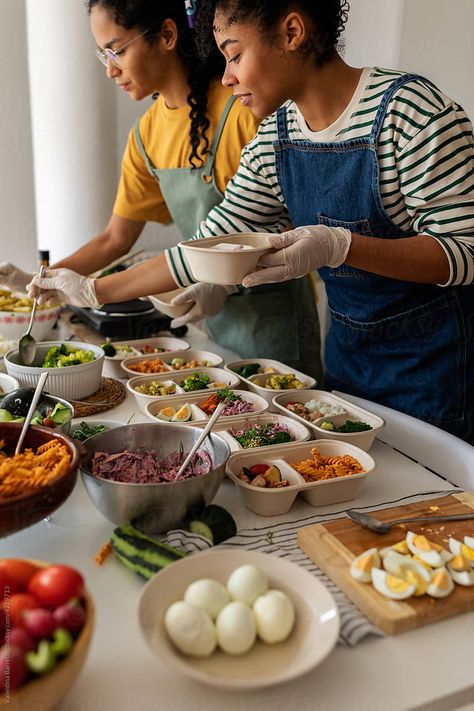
(334, 544)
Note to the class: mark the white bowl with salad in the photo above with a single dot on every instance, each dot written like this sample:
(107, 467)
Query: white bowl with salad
(116, 351)
(74, 367)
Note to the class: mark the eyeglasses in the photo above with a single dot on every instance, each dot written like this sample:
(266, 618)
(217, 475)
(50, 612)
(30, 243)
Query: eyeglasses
(109, 55)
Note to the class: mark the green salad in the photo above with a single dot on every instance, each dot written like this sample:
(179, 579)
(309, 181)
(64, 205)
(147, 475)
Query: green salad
(62, 356)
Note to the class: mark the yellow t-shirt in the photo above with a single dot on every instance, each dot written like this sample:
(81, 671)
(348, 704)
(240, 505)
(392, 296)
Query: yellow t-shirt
(165, 136)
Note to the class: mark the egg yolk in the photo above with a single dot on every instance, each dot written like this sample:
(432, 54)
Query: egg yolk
(422, 562)
(415, 579)
(422, 543)
(459, 563)
(440, 580)
(467, 552)
(364, 563)
(401, 547)
(396, 585)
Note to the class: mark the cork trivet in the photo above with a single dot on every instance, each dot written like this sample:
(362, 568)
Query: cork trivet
(109, 395)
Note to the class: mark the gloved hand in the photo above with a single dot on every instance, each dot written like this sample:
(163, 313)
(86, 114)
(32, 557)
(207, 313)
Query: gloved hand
(208, 300)
(64, 286)
(14, 278)
(301, 251)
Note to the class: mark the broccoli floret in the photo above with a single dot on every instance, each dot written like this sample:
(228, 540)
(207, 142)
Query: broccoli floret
(330, 426)
(109, 349)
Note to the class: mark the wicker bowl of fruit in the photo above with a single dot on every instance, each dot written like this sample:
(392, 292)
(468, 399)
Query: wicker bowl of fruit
(47, 619)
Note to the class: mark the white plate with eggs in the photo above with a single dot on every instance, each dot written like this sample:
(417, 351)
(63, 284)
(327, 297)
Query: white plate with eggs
(312, 636)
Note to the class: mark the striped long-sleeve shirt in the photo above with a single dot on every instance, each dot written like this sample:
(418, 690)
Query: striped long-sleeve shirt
(426, 158)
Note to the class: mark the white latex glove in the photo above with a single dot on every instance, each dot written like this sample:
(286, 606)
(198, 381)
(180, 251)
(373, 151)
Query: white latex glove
(64, 286)
(208, 299)
(14, 278)
(301, 251)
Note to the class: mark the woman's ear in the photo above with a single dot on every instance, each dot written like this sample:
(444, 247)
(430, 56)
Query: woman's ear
(169, 34)
(293, 31)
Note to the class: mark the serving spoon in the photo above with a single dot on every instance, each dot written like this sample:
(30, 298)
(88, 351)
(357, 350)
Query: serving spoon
(199, 440)
(27, 344)
(373, 524)
(34, 402)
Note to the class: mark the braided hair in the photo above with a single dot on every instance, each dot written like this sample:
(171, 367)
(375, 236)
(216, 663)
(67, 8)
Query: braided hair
(149, 15)
(327, 18)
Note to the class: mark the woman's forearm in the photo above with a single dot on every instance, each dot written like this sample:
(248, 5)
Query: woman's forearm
(420, 258)
(149, 277)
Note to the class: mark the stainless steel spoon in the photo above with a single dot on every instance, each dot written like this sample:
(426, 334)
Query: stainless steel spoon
(373, 524)
(34, 402)
(200, 439)
(27, 344)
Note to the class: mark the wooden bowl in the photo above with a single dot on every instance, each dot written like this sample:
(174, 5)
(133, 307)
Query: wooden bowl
(44, 693)
(22, 511)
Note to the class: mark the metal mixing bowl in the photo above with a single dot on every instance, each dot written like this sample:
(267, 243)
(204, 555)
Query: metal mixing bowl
(155, 507)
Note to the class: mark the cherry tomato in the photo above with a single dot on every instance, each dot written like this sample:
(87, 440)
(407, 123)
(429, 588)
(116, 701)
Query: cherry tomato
(17, 574)
(14, 607)
(56, 584)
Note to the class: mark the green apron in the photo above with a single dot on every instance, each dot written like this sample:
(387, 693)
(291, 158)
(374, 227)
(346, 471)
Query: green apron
(277, 321)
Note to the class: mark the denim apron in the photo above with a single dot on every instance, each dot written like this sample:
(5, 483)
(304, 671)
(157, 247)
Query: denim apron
(277, 321)
(398, 343)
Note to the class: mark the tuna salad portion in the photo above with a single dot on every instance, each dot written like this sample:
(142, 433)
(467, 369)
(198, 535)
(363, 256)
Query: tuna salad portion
(145, 466)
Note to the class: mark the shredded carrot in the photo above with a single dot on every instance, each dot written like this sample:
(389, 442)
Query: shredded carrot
(30, 471)
(103, 554)
(209, 405)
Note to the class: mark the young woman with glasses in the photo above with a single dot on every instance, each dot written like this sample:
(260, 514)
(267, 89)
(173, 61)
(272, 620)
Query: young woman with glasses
(177, 163)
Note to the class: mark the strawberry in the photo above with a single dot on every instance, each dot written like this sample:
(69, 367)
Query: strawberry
(71, 615)
(39, 622)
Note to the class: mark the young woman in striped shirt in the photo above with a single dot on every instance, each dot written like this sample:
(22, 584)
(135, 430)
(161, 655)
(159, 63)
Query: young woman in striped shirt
(375, 171)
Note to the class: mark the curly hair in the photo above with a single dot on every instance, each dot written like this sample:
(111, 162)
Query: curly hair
(149, 15)
(327, 18)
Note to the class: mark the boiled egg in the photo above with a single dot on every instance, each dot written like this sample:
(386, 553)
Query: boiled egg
(409, 569)
(166, 414)
(391, 585)
(458, 548)
(420, 546)
(208, 594)
(191, 629)
(461, 571)
(236, 628)
(441, 583)
(469, 541)
(362, 565)
(183, 414)
(274, 615)
(246, 583)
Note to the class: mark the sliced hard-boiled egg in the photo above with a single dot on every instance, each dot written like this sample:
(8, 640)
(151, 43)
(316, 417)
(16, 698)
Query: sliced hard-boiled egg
(469, 541)
(441, 583)
(217, 384)
(361, 566)
(246, 583)
(459, 548)
(391, 585)
(166, 414)
(209, 594)
(400, 547)
(461, 571)
(420, 546)
(274, 615)
(191, 629)
(236, 628)
(183, 414)
(409, 569)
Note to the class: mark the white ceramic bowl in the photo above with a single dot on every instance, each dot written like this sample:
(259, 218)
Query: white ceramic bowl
(274, 502)
(162, 302)
(268, 367)
(73, 382)
(364, 440)
(313, 637)
(164, 343)
(7, 384)
(298, 432)
(226, 266)
(197, 415)
(13, 324)
(177, 376)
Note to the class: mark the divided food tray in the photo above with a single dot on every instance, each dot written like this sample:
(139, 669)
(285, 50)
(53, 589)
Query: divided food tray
(197, 415)
(167, 343)
(276, 368)
(273, 502)
(213, 359)
(219, 378)
(364, 440)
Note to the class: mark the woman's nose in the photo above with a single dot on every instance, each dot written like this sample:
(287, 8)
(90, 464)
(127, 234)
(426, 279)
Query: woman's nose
(112, 69)
(228, 78)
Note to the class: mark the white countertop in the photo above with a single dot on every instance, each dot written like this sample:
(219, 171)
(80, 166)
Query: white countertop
(427, 668)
